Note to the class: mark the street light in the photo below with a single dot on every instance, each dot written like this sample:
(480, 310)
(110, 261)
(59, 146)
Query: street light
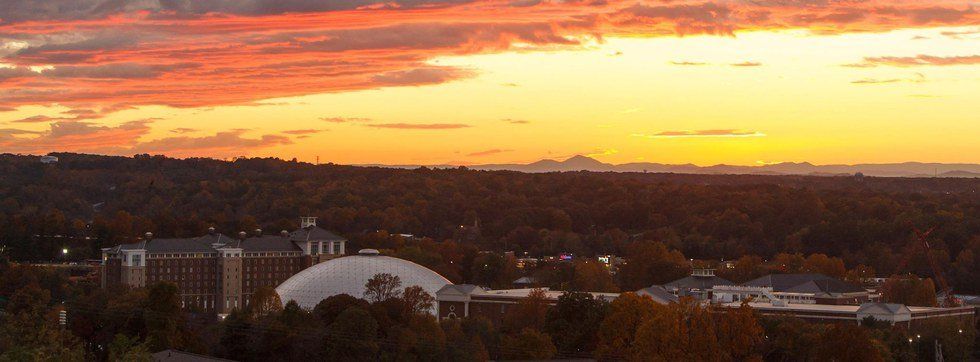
(64, 251)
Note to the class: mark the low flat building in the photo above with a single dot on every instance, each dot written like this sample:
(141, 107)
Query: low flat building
(894, 314)
(794, 288)
(467, 300)
(215, 272)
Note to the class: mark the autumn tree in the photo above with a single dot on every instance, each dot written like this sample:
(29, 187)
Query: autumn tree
(745, 268)
(529, 344)
(264, 301)
(789, 263)
(417, 301)
(847, 342)
(678, 332)
(382, 286)
(493, 270)
(909, 290)
(740, 334)
(823, 264)
(617, 332)
(859, 274)
(529, 312)
(651, 263)
(592, 276)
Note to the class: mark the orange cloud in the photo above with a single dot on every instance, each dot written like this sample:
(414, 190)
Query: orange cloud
(918, 60)
(420, 125)
(488, 152)
(703, 133)
(66, 136)
(108, 55)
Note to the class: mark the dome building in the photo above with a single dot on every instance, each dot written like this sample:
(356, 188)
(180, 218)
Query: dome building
(347, 275)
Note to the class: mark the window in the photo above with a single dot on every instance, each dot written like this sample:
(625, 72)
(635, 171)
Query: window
(137, 260)
(336, 248)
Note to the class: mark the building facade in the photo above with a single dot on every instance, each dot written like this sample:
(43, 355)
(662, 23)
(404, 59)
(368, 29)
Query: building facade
(215, 272)
(794, 288)
(467, 300)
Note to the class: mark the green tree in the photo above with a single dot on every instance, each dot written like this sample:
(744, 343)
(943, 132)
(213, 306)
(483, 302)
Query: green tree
(353, 336)
(128, 349)
(163, 317)
(573, 323)
(331, 307)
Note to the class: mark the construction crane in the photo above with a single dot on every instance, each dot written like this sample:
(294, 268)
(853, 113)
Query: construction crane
(922, 238)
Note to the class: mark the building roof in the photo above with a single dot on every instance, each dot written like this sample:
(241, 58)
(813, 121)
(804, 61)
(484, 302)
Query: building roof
(268, 243)
(314, 233)
(525, 280)
(826, 286)
(210, 242)
(815, 283)
(698, 282)
(659, 294)
(349, 274)
(463, 289)
(883, 308)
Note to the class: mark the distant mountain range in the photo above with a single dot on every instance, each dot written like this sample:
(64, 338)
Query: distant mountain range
(583, 163)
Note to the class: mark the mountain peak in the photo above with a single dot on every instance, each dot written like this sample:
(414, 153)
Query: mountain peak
(579, 158)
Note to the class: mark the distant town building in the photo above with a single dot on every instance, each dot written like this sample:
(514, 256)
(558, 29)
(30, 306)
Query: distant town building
(794, 288)
(697, 285)
(467, 300)
(894, 314)
(49, 159)
(525, 282)
(216, 272)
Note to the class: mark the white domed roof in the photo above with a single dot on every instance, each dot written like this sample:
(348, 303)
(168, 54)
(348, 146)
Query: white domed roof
(347, 275)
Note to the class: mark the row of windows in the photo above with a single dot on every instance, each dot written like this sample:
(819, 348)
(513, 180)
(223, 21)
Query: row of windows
(277, 253)
(180, 262)
(182, 255)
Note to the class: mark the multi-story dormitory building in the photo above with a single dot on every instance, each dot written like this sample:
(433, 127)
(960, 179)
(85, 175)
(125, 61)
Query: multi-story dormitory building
(216, 272)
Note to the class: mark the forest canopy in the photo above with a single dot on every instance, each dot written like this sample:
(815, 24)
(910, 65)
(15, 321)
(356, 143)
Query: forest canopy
(86, 202)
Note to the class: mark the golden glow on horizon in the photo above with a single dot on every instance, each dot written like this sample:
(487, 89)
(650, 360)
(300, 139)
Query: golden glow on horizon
(760, 97)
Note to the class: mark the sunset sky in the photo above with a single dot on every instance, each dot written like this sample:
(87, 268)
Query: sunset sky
(745, 82)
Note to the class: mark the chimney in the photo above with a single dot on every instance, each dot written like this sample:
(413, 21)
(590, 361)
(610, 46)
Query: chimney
(284, 233)
(242, 235)
(258, 232)
(211, 230)
(307, 221)
(148, 235)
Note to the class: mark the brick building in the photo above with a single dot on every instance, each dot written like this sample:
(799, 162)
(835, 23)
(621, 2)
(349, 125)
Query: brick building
(218, 273)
